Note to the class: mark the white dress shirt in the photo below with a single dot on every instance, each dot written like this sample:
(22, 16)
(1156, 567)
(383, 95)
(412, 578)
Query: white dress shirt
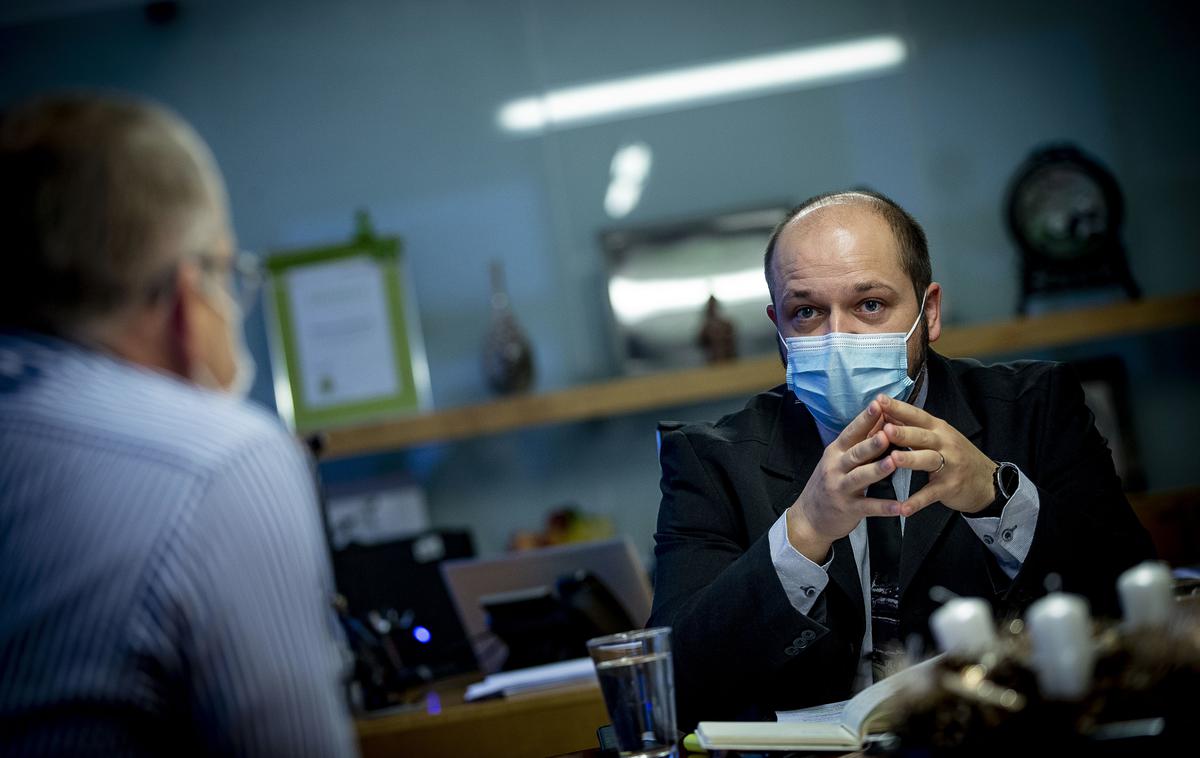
(164, 578)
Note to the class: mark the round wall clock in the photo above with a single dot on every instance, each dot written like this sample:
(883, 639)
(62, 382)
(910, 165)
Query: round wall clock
(1065, 212)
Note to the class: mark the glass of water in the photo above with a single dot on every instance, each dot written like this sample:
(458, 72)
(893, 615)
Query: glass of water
(634, 669)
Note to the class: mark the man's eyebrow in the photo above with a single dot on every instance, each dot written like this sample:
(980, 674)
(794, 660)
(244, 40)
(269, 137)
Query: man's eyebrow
(868, 286)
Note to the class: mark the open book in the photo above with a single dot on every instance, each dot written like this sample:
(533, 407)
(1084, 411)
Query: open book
(837, 726)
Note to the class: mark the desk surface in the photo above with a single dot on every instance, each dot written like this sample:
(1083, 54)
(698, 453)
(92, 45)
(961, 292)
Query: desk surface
(547, 723)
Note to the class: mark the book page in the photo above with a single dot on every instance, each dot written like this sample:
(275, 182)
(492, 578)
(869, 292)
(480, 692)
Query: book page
(830, 713)
(867, 707)
(767, 735)
(854, 714)
(834, 726)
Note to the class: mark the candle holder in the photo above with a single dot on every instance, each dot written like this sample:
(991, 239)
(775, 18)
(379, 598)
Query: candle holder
(1141, 697)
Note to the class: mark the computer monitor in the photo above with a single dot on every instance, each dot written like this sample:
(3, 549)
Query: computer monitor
(613, 562)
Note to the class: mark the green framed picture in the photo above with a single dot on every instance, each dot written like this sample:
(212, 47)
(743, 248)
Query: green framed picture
(345, 341)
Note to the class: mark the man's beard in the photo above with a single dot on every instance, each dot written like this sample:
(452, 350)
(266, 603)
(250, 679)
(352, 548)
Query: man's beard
(923, 354)
(917, 371)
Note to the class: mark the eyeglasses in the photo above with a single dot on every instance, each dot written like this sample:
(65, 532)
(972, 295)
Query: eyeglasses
(241, 274)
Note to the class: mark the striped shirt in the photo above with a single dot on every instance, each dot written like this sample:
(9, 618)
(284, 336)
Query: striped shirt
(164, 582)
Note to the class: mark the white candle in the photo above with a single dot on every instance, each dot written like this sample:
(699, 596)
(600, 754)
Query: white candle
(1146, 594)
(963, 626)
(1061, 631)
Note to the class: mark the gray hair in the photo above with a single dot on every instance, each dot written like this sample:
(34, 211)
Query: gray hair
(101, 197)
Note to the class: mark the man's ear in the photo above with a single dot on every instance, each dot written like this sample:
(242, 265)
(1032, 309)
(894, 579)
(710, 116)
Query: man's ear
(771, 314)
(933, 311)
(183, 349)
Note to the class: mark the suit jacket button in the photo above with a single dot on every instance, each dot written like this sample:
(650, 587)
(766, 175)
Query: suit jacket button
(799, 643)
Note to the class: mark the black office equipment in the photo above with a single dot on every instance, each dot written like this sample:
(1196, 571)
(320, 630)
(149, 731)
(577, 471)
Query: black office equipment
(395, 589)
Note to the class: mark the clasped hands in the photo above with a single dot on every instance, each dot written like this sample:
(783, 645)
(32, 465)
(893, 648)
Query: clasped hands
(833, 502)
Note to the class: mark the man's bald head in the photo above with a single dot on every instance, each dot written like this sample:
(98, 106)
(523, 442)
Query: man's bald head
(910, 237)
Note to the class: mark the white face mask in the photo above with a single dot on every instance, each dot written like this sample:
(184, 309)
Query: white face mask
(836, 375)
(244, 366)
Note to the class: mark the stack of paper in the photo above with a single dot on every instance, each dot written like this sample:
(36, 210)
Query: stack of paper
(536, 678)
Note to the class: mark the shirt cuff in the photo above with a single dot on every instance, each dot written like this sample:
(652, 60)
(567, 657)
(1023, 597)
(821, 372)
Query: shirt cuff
(802, 580)
(1010, 535)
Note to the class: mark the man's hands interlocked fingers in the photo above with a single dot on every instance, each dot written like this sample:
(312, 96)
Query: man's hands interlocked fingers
(833, 501)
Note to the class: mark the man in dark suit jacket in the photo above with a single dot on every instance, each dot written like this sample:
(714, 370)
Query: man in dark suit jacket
(774, 565)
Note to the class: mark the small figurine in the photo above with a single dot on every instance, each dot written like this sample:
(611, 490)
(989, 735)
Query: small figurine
(717, 337)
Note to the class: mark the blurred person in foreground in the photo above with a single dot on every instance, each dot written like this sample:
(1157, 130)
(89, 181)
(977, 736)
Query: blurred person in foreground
(164, 583)
(799, 539)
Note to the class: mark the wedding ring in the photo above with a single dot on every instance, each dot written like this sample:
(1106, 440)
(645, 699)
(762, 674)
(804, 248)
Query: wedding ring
(939, 468)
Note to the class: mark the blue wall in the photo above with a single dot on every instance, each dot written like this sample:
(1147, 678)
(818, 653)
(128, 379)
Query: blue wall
(317, 108)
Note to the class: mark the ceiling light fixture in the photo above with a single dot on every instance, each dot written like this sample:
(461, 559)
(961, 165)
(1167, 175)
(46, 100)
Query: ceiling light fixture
(630, 168)
(677, 88)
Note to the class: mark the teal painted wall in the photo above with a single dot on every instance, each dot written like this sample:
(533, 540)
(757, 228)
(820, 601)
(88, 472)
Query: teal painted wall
(317, 108)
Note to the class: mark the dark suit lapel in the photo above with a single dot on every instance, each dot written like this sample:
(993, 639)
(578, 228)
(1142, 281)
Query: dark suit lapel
(794, 451)
(795, 445)
(922, 530)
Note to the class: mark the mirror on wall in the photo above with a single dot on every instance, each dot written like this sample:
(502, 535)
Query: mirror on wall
(691, 292)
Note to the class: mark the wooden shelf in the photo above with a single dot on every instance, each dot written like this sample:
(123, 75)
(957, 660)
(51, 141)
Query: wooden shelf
(1068, 327)
(744, 377)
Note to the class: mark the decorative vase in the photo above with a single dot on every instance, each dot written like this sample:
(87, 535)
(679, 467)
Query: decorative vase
(507, 354)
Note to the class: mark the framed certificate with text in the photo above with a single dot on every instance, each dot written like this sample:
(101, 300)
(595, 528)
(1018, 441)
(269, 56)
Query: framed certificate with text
(345, 341)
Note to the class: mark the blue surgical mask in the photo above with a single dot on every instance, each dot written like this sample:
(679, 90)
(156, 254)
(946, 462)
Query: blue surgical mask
(836, 375)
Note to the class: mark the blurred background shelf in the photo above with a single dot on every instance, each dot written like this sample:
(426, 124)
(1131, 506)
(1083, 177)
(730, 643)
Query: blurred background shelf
(747, 376)
(1068, 327)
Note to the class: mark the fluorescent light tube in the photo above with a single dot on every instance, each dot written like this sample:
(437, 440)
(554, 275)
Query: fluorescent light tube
(669, 90)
